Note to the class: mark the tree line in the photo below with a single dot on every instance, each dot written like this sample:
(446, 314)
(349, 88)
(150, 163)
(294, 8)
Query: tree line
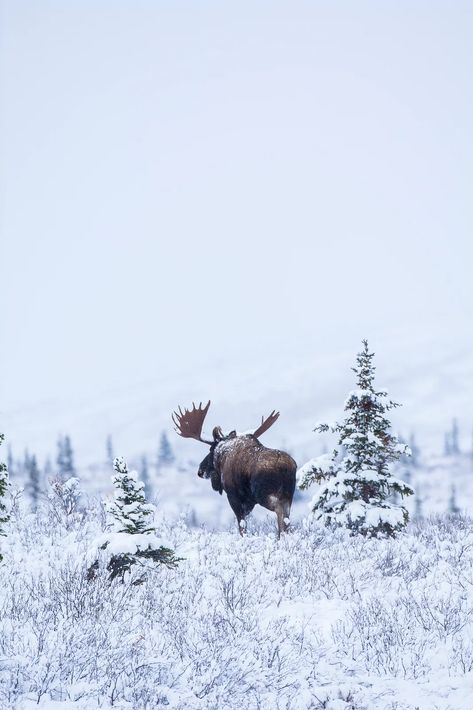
(357, 484)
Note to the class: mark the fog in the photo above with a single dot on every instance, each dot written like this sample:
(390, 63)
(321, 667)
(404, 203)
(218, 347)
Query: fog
(183, 183)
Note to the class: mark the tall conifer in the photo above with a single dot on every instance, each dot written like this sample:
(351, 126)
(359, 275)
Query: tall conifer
(357, 484)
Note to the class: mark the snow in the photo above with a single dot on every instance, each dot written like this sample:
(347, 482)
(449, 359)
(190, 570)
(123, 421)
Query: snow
(360, 393)
(391, 515)
(322, 462)
(315, 620)
(235, 442)
(356, 509)
(122, 542)
(318, 619)
(72, 484)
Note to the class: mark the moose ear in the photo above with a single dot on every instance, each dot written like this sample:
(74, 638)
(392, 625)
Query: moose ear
(232, 434)
(217, 434)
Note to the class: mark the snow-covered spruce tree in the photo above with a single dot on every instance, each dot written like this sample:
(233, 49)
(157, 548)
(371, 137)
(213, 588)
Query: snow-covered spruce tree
(65, 458)
(133, 538)
(33, 483)
(453, 508)
(356, 485)
(144, 473)
(165, 453)
(109, 449)
(10, 461)
(4, 517)
(129, 509)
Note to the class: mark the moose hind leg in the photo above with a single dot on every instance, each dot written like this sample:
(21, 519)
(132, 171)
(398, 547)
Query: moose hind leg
(282, 510)
(239, 511)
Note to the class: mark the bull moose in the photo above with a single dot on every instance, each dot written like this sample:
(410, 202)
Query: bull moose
(240, 465)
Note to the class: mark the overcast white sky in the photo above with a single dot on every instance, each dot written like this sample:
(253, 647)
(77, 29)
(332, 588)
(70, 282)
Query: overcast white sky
(184, 180)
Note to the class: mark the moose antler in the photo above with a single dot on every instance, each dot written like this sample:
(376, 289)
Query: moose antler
(266, 423)
(189, 423)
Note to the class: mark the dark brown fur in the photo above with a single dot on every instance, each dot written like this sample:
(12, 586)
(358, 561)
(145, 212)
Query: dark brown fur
(251, 474)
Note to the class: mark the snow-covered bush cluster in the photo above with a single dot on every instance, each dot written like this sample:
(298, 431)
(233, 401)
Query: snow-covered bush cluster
(318, 619)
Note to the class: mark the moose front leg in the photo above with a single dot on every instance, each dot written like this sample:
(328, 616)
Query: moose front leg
(241, 526)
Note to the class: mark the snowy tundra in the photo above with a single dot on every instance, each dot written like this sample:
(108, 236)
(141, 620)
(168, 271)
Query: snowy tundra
(317, 619)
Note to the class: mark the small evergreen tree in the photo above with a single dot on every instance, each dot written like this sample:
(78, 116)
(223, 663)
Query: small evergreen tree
(134, 538)
(165, 453)
(4, 483)
(453, 508)
(447, 447)
(65, 458)
(415, 451)
(144, 473)
(418, 510)
(129, 509)
(33, 481)
(356, 486)
(48, 468)
(109, 449)
(454, 438)
(451, 446)
(10, 461)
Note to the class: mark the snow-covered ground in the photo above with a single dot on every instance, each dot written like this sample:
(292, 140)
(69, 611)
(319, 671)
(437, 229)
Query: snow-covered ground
(315, 620)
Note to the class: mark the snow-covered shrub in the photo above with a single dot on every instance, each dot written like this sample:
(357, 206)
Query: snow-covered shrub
(319, 619)
(63, 501)
(356, 479)
(4, 516)
(132, 540)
